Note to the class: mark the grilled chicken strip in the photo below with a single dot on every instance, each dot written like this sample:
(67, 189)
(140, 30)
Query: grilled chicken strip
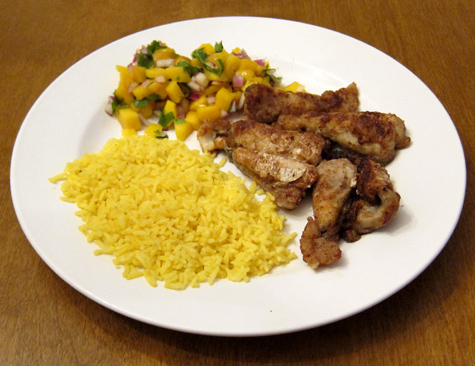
(319, 241)
(337, 178)
(287, 179)
(374, 134)
(264, 103)
(215, 135)
(300, 145)
(376, 204)
(317, 250)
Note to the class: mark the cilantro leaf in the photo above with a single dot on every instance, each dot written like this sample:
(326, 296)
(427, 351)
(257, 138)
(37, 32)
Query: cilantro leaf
(192, 70)
(155, 45)
(218, 47)
(142, 103)
(166, 119)
(270, 73)
(179, 121)
(160, 135)
(146, 60)
(201, 55)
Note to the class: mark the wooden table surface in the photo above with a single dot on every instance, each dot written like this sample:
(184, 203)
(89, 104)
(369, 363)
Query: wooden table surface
(44, 321)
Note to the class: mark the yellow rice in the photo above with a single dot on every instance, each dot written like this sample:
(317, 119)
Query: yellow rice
(170, 214)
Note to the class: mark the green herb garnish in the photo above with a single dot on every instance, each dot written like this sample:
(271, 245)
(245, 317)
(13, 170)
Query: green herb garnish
(142, 103)
(201, 55)
(270, 73)
(192, 70)
(166, 119)
(218, 47)
(146, 60)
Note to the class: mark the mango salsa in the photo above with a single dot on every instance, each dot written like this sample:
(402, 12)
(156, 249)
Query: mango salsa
(182, 92)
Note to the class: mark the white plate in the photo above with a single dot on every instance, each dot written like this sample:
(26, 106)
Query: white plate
(69, 120)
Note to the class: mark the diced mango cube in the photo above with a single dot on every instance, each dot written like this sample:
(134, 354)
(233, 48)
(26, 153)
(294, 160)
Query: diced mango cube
(224, 98)
(124, 74)
(231, 65)
(157, 88)
(208, 48)
(128, 132)
(247, 74)
(198, 102)
(193, 119)
(164, 54)
(182, 129)
(153, 129)
(155, 71)
(138, 74)
(209, 113)
(140, 92)
(212, 89)
(170, 107)
(174, 91)
(178, 74)
(122, 92)
(147, 111)
(294, 87)
(129, 118)
(251, 65)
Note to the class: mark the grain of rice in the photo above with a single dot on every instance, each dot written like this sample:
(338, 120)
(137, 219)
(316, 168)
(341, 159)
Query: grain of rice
(170, 214)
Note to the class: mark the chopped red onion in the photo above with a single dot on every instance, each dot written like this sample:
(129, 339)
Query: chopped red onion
(260, 62)
(108, 107)
(238, 81)
(242, 54)
(132, 86)
(194, 95)
(146, 83)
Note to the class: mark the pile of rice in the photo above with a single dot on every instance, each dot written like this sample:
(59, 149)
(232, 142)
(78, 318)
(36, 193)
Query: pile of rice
(170, 214)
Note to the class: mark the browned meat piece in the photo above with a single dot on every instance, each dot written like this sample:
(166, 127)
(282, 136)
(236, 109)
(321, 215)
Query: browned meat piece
(285, 178)
(374, 134)
(319, 241)
(300, 145)
(215, 135)
(317, 250)
(264, 103)
(336, 180)
(377, 202)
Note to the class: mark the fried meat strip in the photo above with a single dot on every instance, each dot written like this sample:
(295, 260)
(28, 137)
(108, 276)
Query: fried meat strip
(264, 103)
(215, 135)
(376, 204)
(319, 241)
(317, 250)
(374, 134)
(336, 180)
(287, 179)
(300, 145)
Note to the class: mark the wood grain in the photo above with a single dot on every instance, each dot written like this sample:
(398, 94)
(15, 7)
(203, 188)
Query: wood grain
(43, 321)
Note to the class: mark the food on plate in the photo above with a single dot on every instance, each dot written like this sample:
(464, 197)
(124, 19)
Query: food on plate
(287, 179)
(170, 214)
(336, 180)
(375, 203)
(162, 87)
(264, 103)
(374, 134)
(292, 142)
